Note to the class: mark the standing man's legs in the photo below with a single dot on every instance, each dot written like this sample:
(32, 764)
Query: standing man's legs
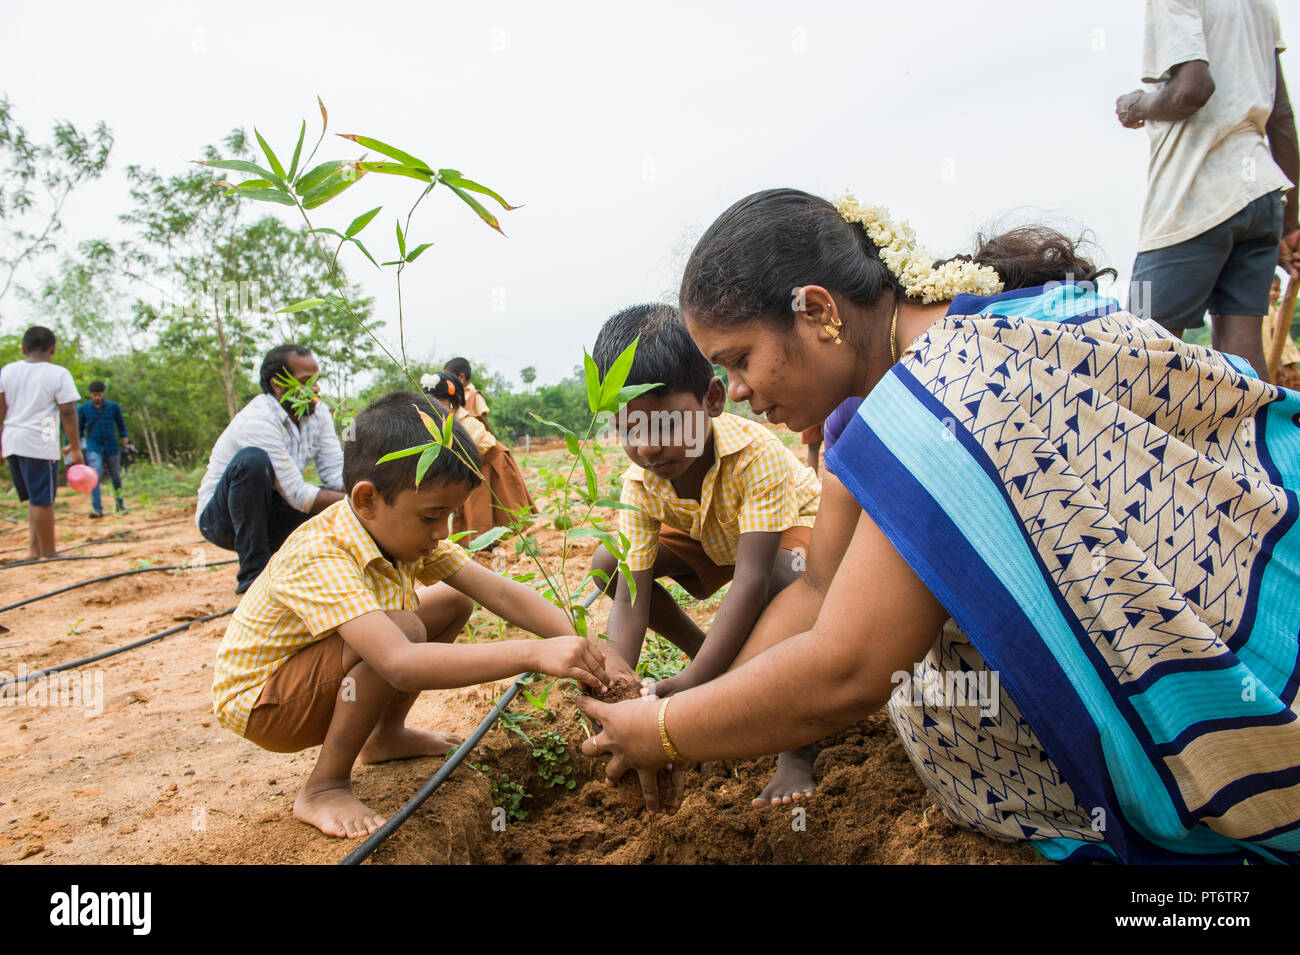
(113, 469)
(1240, 297)
(248, 515)
(95, 460)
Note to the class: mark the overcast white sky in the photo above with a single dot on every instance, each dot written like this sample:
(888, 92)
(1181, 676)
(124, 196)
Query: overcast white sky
(624, 129)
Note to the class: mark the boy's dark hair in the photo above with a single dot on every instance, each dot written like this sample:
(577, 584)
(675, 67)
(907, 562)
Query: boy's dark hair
(96, 386)
(392, 423)
(665, 353)
(448, 389)
(459, 366)
(38, 338)
(277, 361)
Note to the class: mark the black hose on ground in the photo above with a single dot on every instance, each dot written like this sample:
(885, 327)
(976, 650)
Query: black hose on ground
(120, 573)
(380, 835)
(27, 678)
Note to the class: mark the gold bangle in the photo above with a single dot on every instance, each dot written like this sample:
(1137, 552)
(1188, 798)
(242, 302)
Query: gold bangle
(671, 750)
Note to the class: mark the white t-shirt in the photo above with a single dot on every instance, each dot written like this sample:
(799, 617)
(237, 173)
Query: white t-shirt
(33, 391)
(1206, 168)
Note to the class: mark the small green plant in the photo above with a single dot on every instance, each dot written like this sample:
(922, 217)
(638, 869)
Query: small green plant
(551, 756)
(514, 723)
(660, 659)
(506, 792)
(75, 628)
(539, 698)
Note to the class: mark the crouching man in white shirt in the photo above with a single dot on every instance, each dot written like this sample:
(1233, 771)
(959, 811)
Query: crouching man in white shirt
(253, 494)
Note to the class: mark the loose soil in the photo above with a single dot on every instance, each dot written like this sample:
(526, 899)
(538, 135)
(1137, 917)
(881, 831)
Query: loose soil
(151, 777)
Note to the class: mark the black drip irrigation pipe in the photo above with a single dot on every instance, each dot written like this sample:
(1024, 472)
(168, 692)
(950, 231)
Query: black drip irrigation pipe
(31, 561)
(120, 573)
(28, 677)
(380, 835)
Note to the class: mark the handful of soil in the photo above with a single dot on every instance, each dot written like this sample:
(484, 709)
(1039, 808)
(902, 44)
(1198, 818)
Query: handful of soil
(629, 787)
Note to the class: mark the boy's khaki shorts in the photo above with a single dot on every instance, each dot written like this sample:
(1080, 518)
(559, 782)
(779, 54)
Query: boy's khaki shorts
(709, 577)
(295, 707)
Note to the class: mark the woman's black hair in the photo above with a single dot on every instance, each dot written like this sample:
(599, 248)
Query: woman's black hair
(393, 423)
(751, 262)
(448, 389)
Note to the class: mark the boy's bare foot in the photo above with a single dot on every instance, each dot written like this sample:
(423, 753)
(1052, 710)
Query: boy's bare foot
(405, 743)
(793, 778)
(335, 811)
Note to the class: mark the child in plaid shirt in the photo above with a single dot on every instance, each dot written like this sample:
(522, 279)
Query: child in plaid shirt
(357, 612)
(713, 498)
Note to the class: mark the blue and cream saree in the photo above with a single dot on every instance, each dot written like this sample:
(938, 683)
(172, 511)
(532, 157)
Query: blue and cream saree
(1109, 516)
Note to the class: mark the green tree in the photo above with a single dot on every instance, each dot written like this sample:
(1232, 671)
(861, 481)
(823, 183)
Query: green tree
(29, 221)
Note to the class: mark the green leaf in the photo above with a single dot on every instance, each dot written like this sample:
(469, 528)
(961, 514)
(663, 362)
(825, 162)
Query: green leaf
(364, 251)
(265, 195)
(317, 174)
(605, 537)
(594, 574)
(417, 251)
(550, 424)
(626, 571)
(487, 538)
(447, 425)
(327, 231)
(617, 505)
(270, 154)
(593, 486)
(591, 375)
(477, 206)
(331, 187)
(401, 239)
(406, 452)
(616, 377)
(426, 461)
(361, 221)
(240, 165)
(397, 169)
(297, 151)
(627, 393)
(390, 151)
(453, 177)
(571, 442)
(299, 306)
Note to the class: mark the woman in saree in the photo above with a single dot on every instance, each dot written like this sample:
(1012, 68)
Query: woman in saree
(1040, 497)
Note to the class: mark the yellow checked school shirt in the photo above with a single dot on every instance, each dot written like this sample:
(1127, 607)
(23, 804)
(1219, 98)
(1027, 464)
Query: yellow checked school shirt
(329, 571)
(755, 484)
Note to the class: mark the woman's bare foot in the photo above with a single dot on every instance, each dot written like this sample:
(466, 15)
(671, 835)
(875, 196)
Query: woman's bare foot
(405, 743)
(333, 810)
(793, 778)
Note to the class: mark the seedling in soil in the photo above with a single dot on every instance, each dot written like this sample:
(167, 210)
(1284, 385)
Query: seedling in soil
(550, 753)
(660, 659)
(75, 628)
(506, 792)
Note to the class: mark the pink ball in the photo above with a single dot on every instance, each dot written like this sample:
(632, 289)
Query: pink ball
(82, 478)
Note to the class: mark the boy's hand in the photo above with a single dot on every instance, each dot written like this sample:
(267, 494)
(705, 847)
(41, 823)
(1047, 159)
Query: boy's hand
(666, 688)
(572, 658)
(619, 670)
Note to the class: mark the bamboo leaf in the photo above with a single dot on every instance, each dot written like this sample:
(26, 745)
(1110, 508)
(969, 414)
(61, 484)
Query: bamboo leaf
(627, 393)
(571, 442)
(605, 537)
(593, 486)
(297, 151)
(616, 377)
(324, 230)
(430, 424)
(391, 151)
(324, 116)
(417, 251)
(317, 174)
(447, 425)
(364, 251)
(265, 195)
(626, 571)
(332, 186)
(487, 538)
(401, 239)
(477, 206)
(453, 177)
(361, 221)
(426, 461)
(591, 375)
(405, 452)
(550, 424)
(241, 165)
(299, 306)
(270, 154)
(398, 169)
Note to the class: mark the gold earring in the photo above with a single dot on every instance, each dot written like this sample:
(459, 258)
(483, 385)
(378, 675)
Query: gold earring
(833, 329)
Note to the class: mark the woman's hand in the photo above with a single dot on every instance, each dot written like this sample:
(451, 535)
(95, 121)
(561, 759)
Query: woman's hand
(630, 734)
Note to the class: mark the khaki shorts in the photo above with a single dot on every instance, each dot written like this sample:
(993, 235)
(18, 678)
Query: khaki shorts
(707, 577)
(295, 707)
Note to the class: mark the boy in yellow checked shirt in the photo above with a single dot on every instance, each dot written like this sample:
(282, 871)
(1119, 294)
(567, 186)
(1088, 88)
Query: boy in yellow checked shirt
(714, 498)
(357, 612)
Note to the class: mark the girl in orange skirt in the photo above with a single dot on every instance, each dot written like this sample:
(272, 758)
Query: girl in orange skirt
(503, 496)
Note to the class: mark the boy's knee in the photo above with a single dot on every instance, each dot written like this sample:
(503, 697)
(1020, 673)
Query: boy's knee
(604, 561)
(410, 624)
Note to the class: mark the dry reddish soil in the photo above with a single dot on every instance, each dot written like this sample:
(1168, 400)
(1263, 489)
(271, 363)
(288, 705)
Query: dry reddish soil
(139, 771)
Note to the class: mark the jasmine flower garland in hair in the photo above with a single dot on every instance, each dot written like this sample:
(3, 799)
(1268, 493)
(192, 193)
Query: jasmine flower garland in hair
(910, 263)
